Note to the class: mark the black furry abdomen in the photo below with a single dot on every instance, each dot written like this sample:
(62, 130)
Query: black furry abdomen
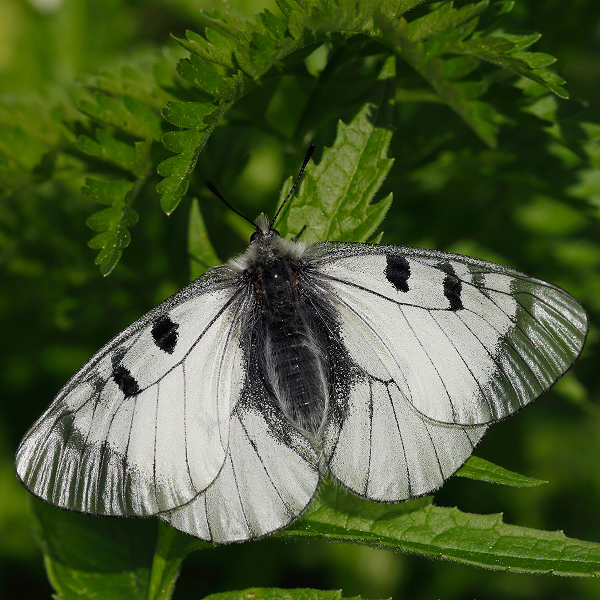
(290, 344)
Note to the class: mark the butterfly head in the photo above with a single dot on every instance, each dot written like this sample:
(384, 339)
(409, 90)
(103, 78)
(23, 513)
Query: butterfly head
(264, 231)
(266, 245)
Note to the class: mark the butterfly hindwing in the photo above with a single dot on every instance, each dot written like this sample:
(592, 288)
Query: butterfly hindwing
(386, 451)
(144, 426)
(268, 479)
(466, 341)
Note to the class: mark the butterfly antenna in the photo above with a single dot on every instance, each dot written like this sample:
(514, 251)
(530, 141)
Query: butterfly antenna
(210, 185)
(309, 153)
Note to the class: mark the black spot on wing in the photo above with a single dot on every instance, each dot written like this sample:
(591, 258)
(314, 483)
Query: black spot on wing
(452, 287)
(164, 333)
(397, 272)
(126, 382)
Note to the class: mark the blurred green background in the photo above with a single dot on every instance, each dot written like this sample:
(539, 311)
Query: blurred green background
(56, 309)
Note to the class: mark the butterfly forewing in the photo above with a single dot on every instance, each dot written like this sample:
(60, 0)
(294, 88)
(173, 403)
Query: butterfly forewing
(467, 342)
(144, 426)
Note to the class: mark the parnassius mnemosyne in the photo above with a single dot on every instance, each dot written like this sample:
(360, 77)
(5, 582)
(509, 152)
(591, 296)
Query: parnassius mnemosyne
(379, 366)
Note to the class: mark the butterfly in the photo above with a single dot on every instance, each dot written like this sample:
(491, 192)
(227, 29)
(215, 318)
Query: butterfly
(222, 409)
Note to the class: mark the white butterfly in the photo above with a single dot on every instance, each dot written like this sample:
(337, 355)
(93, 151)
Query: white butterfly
(221, 409)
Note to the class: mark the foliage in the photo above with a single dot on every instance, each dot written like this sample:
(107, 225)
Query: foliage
(488, 159)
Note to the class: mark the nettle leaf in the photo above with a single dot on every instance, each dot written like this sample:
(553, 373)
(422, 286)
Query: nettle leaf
(256, 46)
(444, 20)
(318, 19)
(109, 149)
(199, 119)
(145, 81)
(215, 46)
(178, 169)
(419, 527)
(93, 557)
(426, 42)
(527, 64)
(443, 46)
(483, 470)
(280, 594)
(120, 117)
(536, 60)
(462, 97)
(125, 113)
(201, 75)
(105, 192)
(87, 556)
(113, 223)
(190, 115)
(335, 197)
(202, 254)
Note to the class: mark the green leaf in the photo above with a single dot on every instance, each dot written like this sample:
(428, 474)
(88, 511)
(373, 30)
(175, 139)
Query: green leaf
(177, 170)
(109, 149)
(485, 44)
(113, 222)
(94, 557)
(180, 141)
(98, 557)
(536, 60)
(202, 254)
(425, 42)
(419, 527)
(200, 74)
(145, 79)
(483, 470)
(172, 547)
(107, 192)
(335, 197)
(129, 157)
(260, 45)
(188, 114)
(279, 594)
(121, 117)
(525, 64)
(443, 21)
(377, 239)
(125, 113)
(215, 46)
(520, 41)
(450, 28)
